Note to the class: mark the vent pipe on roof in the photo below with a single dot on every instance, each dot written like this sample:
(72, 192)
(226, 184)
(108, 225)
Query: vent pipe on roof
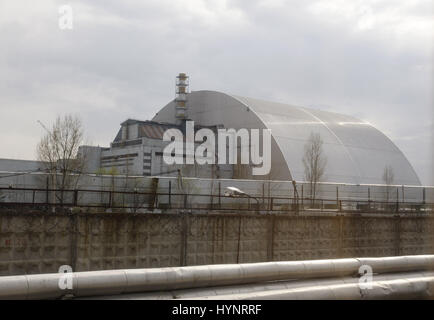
(182, 87)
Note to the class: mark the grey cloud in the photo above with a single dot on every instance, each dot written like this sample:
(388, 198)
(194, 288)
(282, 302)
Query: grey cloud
(121, 58)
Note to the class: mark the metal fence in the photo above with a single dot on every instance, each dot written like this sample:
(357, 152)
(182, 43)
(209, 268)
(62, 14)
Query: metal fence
(142, 200)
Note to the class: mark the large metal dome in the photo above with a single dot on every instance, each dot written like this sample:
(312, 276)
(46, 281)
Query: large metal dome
(356, 152)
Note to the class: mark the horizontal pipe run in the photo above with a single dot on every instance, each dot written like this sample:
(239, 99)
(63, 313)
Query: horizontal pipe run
(112, 282)
(405, 288)
(217, 292)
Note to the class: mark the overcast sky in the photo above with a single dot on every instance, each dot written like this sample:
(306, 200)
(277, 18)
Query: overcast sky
(369, 59)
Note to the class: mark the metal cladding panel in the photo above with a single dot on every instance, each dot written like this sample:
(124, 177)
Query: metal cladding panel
(152, 131)
(210, 108)
(356, 152)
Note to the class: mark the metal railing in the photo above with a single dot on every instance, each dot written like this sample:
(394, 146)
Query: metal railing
(145, 200)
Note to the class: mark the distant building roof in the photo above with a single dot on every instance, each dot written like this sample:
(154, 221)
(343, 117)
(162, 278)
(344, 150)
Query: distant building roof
(148, 129)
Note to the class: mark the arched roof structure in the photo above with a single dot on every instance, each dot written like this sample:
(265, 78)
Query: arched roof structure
(356, 152)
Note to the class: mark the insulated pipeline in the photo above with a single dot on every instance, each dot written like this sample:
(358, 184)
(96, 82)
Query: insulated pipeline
(113, 282)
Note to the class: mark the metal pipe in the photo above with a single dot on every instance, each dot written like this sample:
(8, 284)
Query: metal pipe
(405, 288)
(108, 282)
(259, 288)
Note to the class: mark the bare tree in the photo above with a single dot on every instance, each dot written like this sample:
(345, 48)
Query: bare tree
(388, 178)
(58, 150)
(314, 162)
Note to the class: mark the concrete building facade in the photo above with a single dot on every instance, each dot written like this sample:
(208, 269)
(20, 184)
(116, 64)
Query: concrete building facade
(137, 150)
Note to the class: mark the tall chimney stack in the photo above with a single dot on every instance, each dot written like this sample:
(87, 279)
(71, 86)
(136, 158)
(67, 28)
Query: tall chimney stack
(182, 86)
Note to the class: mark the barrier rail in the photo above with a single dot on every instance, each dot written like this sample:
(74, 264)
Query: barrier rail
(139, 200)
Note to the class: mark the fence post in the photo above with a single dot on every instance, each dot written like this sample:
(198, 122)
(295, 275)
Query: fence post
(397, 199)
(337, 197)
(239, 239)
(341, 240)
(397, 235)
(170, 194)
(73, 220)
(220, 195)
(269, 193)
(184, 233)
(369, 199)
(302, 197)
(46, 194)
(110, 199)
(75, 197)
(185, 200)
(270, 244)
(263, 195)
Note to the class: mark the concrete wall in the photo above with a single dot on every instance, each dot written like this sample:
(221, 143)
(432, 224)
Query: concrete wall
(40, 242)
(13, 165)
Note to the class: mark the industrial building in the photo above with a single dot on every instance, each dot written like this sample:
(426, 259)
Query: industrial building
(356, 152)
